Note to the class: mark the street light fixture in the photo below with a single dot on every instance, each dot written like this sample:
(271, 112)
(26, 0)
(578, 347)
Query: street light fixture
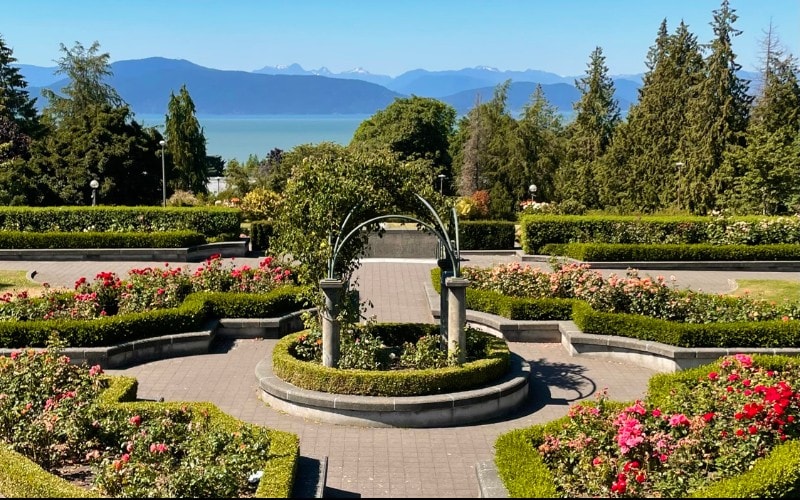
(162, 143)
(532, 189)
(94, 185)
(680, 165)
(441, 183)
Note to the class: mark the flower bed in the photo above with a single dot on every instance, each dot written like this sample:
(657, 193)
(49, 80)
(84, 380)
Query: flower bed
(151, 302)
(65, 419)
(702, 432)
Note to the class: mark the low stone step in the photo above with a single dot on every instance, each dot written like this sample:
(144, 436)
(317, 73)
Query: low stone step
(310, 479)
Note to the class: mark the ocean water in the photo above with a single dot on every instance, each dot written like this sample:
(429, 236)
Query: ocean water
(241, 136)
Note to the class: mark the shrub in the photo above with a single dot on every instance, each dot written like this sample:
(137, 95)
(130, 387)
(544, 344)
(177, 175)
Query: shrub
(182, 198)
(487, 235)
(260, 204)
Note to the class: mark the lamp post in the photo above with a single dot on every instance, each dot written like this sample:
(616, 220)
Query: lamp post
(680, 165)
(532, 189)
(94, 185)
(441, 183)
(162, 143)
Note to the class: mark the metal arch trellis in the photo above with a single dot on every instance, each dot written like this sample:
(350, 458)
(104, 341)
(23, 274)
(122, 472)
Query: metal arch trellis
(452, 251)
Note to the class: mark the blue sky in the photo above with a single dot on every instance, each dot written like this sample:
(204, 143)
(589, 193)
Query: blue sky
(383, 36)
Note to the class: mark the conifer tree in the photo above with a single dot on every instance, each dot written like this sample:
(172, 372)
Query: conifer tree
(646, 149)
(186, 144)
(589, 134)
(541, 129)
(767, 169)
(717, 118)
(15, 102)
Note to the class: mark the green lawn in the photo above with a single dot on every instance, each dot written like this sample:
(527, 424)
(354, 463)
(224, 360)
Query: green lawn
(16, 281)
(777, 290)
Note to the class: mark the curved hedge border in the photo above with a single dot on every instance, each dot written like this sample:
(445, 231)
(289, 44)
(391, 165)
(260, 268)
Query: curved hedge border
(315, 377)
(525, 475)
(59, 240)
(20, 477)
(189, 316)
(615, 252)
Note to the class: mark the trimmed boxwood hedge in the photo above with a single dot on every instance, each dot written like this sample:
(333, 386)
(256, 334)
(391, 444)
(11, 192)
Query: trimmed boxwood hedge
(261, 232)
(486, 235)
(20, 477)
(166, 239)
(525, 475)
(614, 252)
(191, 315)
(212, 222)
(315, 377)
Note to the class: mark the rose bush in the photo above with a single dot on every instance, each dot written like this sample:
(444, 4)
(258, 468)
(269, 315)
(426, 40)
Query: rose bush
(145, 289)
(710, 430)
(654, 297)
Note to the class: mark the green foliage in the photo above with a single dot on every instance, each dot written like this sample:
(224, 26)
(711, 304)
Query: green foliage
(486, 235)
(414, 128)
(261, 204)
(330, 181)
(212, 222)
(313, 376)
(16, 105)
(186, 144)
(615, 252)
(261, 232)
(164, 239)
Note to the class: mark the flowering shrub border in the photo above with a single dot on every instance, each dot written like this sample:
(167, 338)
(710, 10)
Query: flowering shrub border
(23, 478)
(525, 474)
(615, 252)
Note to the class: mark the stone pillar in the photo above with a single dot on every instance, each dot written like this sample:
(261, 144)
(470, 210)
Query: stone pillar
(332, 289)
(457, 316)
(446, 268)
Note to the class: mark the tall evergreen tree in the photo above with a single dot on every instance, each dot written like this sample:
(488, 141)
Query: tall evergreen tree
(466, 147)
(717, 117)
(590, 133)
(86, 70)
(768, 167)
(15, 102)
(186, 144)
(641, 170)
(541, 129)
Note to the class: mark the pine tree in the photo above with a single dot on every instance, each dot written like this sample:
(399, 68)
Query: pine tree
(15, 102)
(717, 118)
(590, 133)
(186, 144)
(768, 167)
(540, 130)
(642, 169)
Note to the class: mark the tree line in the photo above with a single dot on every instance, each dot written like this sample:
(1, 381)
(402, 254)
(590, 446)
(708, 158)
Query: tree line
(700, 138)
(87, 132)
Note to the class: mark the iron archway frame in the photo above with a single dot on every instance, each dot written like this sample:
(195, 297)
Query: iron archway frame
(438, 228)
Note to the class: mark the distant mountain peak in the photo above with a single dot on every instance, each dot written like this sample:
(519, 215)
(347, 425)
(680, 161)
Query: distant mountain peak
(488, 68)
(358, 71)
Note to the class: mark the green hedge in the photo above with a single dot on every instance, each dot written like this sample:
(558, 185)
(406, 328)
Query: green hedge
(191, 315)
(539, 230)
(768, 334)
(525, 475)
(57, 240)
(22, 478)
(261, 232)
(486, 235)
(315, 377)
(611, 252)
(212, 222)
